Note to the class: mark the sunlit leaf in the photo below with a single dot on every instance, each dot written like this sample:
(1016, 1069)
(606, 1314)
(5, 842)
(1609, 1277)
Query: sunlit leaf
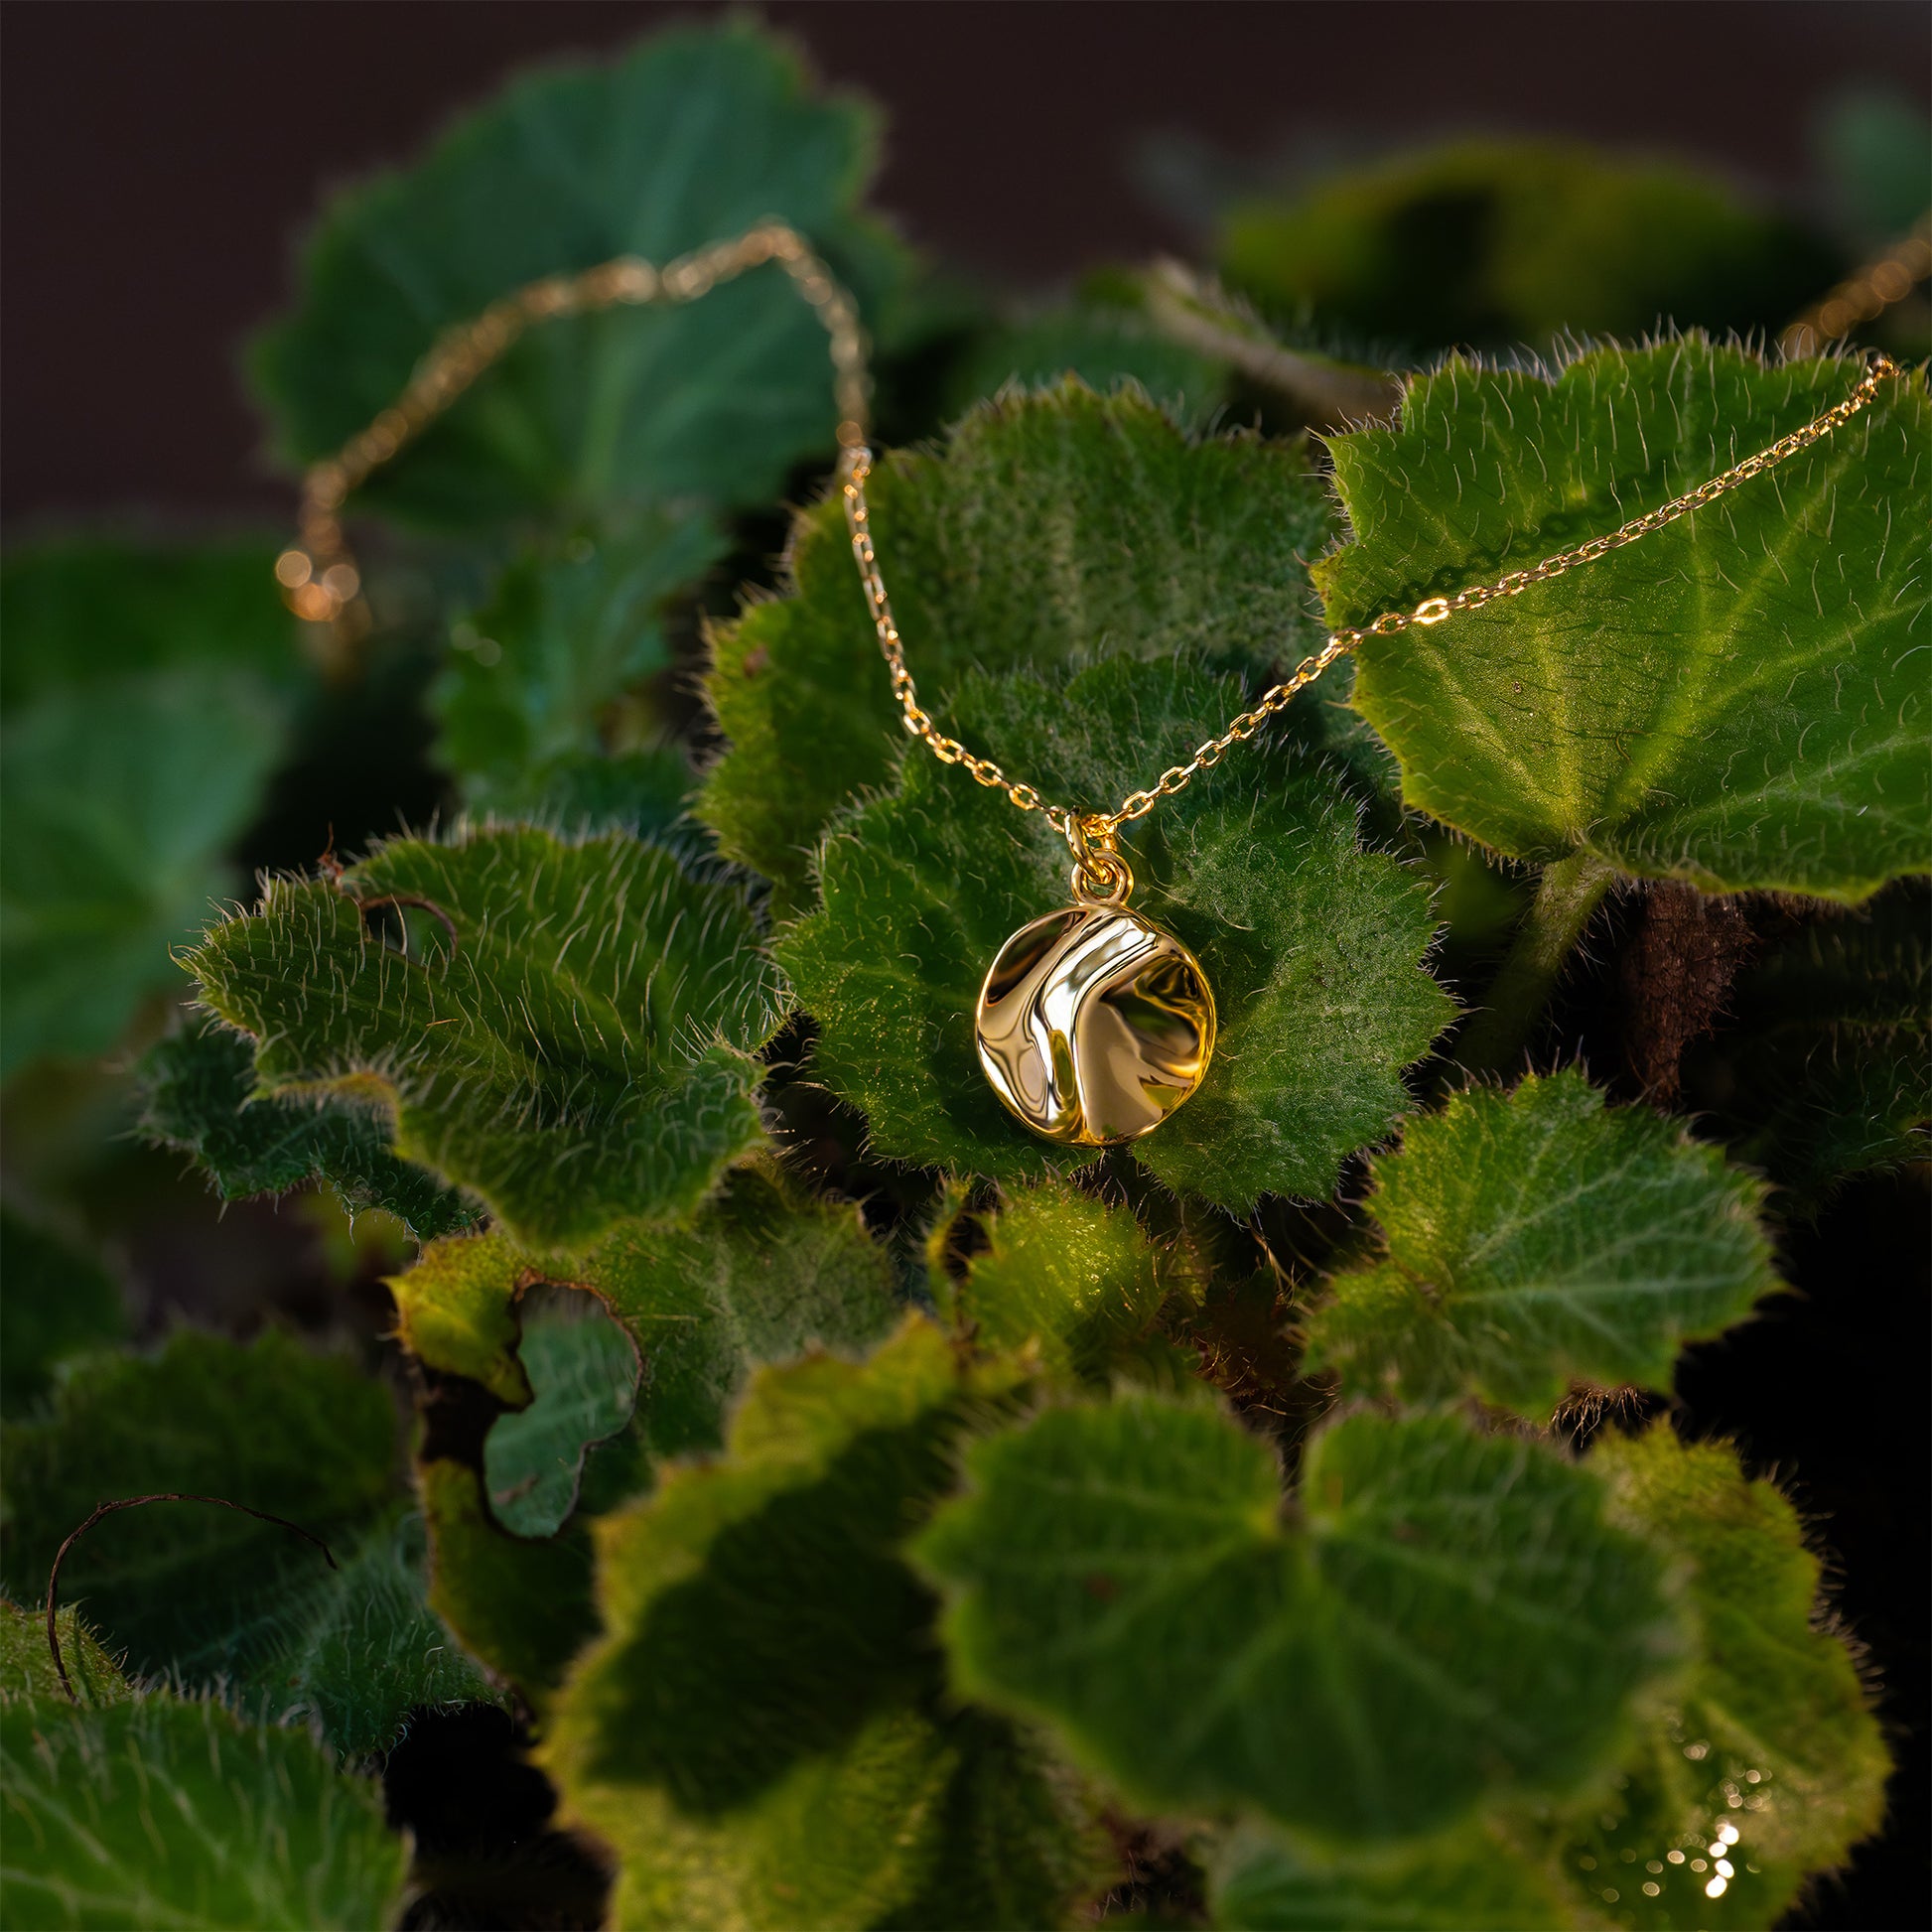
(1733, 700)
(1063, 1275)
(27, 1672)
(762, 1734)
(1769, 1764)
(1312, 946)
(166, 1812)
(1538, 1239)
(1443, 1618)
(762, 1275)
(568, 1038)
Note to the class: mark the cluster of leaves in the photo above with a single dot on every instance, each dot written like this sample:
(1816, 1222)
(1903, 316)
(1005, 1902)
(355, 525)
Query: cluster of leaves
(853, 1493)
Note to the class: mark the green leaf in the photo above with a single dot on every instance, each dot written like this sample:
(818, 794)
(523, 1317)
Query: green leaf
(1730, 700)
(58, 1303)
(116, 807)
(27, 1673)
(166, 1813)
(761, 1735)
(571, 1039)
(198, 1096)
(569, 627)
(1444, 1618)
(1312, 946)
(1825, 1071)
(186, 1584)
(1770, 1752)
(1539, 1239)
(583, 1371)
(1067, 1276)
(357, 1652)
(1500, 242)
(520, 1607)
(1105, 348)
(762, 1275)
(89, 611)
(1048, 533)
(1261, 1882)
(693, 137)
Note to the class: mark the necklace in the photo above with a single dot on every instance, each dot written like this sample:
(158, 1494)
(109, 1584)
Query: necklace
(1093, 1023)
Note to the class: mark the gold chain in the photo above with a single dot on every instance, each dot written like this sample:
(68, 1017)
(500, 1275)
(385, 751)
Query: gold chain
(319, 577)
(320, 582)
(1080, 829)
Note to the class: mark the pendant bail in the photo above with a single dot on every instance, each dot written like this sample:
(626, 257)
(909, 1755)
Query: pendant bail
(1101, 876)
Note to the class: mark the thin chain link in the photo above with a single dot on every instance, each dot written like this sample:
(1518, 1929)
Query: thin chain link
(1101, 826)
(319, 577)
(319, 580)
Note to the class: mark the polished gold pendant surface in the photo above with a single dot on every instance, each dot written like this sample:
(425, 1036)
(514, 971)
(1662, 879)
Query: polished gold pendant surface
(1094, 1024)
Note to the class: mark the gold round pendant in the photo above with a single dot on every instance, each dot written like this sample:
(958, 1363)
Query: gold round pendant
(1094, 1024)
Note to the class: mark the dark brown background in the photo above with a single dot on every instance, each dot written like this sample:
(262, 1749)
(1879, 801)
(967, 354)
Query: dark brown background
(158, 158)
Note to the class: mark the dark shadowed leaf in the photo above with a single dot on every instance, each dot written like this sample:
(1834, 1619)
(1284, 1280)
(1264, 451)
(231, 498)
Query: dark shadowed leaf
(198, 1096)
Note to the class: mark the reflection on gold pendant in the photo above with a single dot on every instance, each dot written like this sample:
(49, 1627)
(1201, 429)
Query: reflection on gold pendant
(1094, 1024)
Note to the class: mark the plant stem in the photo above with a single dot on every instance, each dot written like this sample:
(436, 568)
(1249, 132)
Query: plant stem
(1569, 891)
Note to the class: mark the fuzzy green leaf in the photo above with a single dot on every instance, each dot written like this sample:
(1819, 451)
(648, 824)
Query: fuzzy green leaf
(693, 137)
(1447, 1617)
(762, 1734)
(1067, 1276)
(57, 1302)
(198, 1096)
(1314, 947)
(1263, 1883)
(27, 1672)
(1769, 1757)
(569, 628)
(574, 1048)
(760, 1275)
(116, 808)
(583, 1371)
(1495, 241)
(168, 1813)
(1048, 533)
(1734, 699)
(269, 1425)
(1539, 1239)
(358, 1651)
